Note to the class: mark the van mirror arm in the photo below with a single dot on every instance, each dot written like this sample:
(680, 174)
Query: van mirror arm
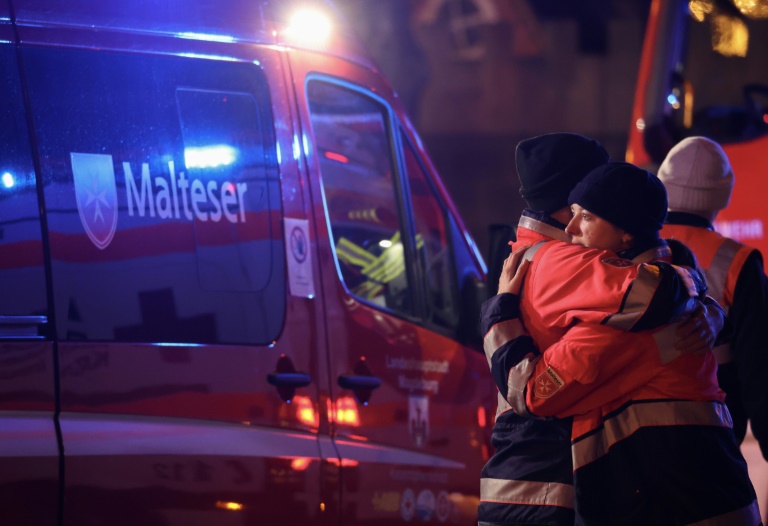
(474, 292)
(499, 236)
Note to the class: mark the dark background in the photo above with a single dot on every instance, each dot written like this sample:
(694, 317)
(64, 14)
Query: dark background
(477, 76)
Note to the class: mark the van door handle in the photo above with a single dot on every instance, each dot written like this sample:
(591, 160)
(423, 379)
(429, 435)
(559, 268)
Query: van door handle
(359, 382)
(26, 327)
(289, 379)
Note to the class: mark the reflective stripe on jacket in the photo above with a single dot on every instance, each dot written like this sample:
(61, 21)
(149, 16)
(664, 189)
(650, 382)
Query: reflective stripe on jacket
(528, 479)
(721, 259)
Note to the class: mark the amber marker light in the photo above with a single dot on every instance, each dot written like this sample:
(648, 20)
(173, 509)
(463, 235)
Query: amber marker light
(231, 506)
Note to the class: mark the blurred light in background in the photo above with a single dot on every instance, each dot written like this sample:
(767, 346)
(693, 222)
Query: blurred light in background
(309, 25)
(673, 101)
(730, 36)
(700, 9)
(8, 180)
(232, 506)
(753, 8)
(210, 156)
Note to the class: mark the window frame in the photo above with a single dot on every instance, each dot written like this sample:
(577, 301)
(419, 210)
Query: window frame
(396, 133)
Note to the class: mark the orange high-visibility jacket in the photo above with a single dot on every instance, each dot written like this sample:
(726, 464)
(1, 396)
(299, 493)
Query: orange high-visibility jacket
(737, 280)
(720, 258)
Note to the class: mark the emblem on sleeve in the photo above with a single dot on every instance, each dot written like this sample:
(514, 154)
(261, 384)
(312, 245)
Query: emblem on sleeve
(618, 262)
(548, 383)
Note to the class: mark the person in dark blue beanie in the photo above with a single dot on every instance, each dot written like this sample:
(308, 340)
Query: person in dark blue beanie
(632, 200)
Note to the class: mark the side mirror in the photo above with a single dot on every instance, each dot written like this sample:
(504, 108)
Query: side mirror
(499, 237)
(473, 293)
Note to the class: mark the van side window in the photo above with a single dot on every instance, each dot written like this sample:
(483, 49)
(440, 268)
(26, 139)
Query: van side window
(360, 186)
(217, 128)
(163, 200)
(22, 275)
(433, 247)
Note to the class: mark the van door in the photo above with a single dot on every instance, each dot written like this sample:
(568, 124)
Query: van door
(190, 376)
(409, 400)
(29, 454)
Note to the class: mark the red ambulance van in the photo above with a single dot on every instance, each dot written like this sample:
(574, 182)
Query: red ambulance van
(232, 287)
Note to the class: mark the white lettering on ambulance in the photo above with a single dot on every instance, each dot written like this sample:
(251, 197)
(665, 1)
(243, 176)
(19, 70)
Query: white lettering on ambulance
(133, 193)
(409, 364)
(418, 384)
(163, 198)
(741, 230)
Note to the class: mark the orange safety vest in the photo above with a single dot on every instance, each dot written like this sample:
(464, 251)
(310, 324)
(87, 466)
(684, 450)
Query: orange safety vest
(721, 259)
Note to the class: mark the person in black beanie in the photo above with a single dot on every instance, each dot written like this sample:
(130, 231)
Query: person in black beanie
(529, 478)
(549, 167)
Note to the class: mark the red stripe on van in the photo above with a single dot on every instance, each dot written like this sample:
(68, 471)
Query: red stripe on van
(21, 254)
(165, 238)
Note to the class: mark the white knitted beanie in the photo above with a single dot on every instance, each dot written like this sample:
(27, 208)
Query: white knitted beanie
(697, 176)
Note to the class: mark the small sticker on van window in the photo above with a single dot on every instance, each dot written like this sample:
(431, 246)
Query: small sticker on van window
(299, 258)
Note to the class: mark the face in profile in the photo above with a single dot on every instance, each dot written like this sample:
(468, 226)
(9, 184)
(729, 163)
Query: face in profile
(593, 231)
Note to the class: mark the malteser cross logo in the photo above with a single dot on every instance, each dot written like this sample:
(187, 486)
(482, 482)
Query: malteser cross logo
(96, 195)
(548, 383)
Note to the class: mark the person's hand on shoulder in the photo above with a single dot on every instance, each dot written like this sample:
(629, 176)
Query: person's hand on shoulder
(513, 272)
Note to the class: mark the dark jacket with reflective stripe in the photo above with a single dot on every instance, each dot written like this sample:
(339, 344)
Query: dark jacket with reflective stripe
(737, 280)
(665, 463)
(529, 478)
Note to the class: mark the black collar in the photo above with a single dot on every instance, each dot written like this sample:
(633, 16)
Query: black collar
(642, 246)
(687, 219)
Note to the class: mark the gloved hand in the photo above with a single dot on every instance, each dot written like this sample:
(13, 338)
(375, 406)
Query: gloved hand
(705, 328)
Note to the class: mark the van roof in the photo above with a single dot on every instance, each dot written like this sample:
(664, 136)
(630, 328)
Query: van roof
(247, 21)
